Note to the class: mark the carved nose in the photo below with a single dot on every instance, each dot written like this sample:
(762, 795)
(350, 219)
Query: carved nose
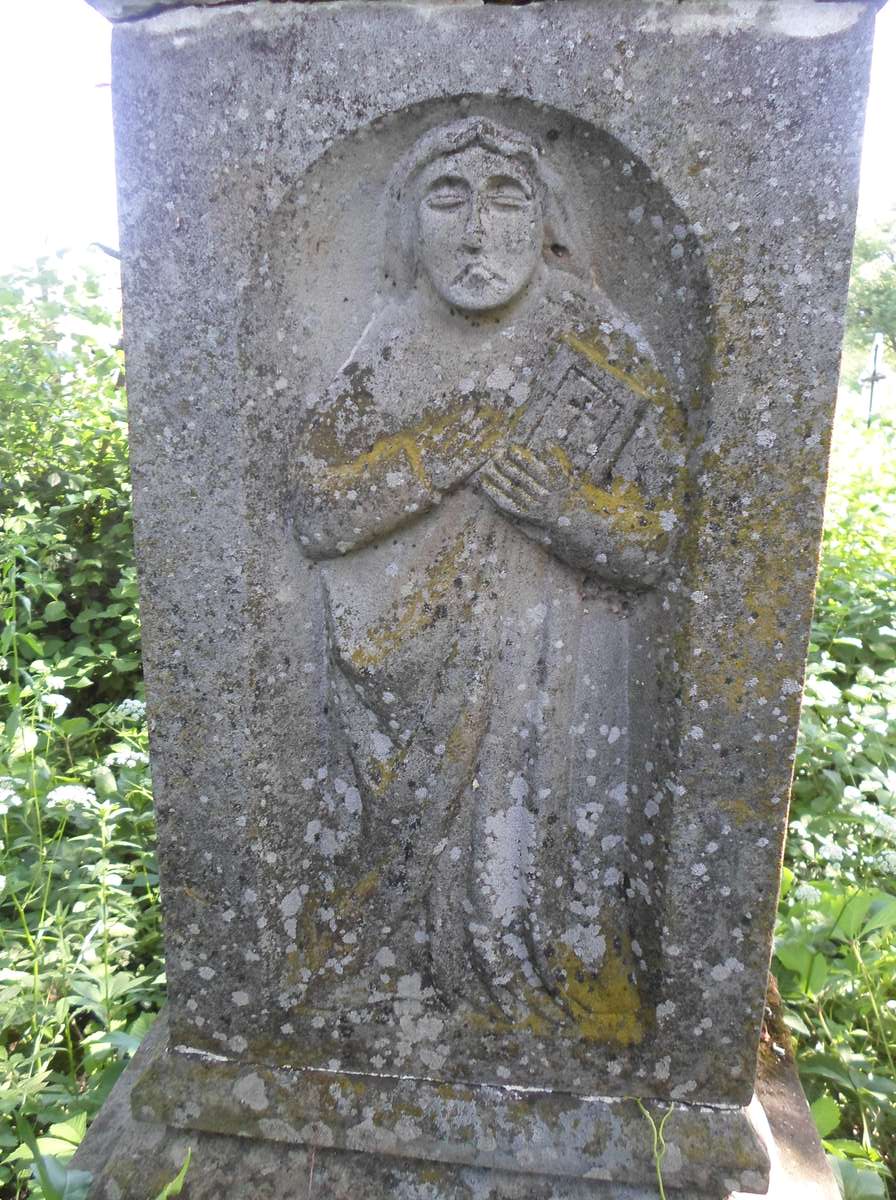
(472, 239)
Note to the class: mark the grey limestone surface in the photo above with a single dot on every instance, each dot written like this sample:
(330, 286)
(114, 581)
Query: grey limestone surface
(481, 365)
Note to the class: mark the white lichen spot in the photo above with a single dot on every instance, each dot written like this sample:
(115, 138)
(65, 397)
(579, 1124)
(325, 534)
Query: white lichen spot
(619, 793)
(250, 1091)
(722, 971)
(668, 520)
(508, 838)
(291, 903)
(381, 745)
(502, 378)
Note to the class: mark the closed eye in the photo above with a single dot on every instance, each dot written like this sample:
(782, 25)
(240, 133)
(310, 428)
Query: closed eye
(446, 199)
(504, 192)
(447, 192)
(508, 200)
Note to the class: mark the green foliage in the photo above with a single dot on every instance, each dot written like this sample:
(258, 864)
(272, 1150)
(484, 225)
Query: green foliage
(80, 953)
(660, 1146)
(836, 945)
(872, 290)
(175, 1187)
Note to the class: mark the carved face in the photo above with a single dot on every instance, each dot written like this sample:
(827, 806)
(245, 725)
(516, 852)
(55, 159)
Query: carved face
(480, 229)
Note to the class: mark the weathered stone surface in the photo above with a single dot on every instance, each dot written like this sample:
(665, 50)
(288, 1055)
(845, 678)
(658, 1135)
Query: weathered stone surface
(482, 367)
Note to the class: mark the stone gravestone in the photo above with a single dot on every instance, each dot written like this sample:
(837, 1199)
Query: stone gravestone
(482, 363)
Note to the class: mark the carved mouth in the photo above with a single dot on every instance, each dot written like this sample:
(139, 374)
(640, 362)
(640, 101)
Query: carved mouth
(477, 272)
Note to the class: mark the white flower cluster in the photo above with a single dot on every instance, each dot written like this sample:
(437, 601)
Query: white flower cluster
(806, 893)
(129, 710)
(9, 797)
(71, 795)
(126, 758)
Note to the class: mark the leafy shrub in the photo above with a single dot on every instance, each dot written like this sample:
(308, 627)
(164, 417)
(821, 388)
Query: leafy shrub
(836, 945)
(80, 953)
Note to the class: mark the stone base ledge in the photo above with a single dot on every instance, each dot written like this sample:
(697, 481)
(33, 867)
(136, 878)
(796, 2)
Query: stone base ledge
(133, 1160)
(508, 1130)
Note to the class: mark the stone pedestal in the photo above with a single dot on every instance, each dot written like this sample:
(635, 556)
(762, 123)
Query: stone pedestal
(482, 363)
(132, 1159)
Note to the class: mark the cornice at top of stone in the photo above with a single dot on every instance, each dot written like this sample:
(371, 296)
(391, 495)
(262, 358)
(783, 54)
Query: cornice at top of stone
(129, 10)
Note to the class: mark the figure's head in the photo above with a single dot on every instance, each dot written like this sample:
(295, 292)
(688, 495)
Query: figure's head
(476, 212)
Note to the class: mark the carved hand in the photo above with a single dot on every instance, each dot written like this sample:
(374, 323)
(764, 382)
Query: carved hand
(525, 486)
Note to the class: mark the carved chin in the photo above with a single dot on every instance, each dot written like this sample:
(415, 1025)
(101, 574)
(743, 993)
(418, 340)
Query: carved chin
(479, 296)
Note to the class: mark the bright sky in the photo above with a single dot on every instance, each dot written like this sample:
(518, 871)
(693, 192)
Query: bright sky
(56, 135)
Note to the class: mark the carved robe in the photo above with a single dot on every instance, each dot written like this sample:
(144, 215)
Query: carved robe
(482, 646)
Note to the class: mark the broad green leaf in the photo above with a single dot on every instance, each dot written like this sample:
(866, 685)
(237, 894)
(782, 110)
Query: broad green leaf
(826, 1114)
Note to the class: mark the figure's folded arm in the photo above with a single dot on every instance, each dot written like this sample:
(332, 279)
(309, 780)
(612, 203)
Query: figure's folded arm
(341, 507)
(357, 476)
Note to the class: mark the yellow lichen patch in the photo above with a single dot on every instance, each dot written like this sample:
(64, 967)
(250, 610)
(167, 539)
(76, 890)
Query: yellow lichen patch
(455, 1092)
(349, 1084)
(386, 450)
(605, 1005)
(415, 613)
(360, 892)
(536, 1023)
(462, 431)
(623, 505)
(463, 740)
(396, 1110)
(319, 945)
(739, 809)
(643, 378)
(384, 771)
(431, 1174)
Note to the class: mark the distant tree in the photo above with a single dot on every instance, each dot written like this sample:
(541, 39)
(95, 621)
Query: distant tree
(872, 289)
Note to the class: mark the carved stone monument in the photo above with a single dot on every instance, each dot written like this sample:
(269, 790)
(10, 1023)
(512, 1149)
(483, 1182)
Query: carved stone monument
(482, 363)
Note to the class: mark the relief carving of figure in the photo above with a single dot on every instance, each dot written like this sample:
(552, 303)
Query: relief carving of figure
(491, 486)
